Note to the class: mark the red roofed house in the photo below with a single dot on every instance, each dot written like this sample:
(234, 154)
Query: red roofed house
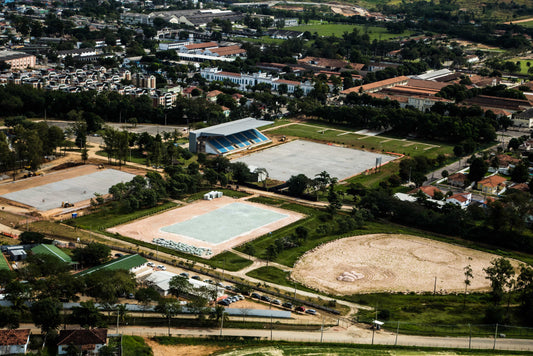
(212, 95)
(461, 199)
(491, 185)
(428, 190)
(14, 341)
(87, 340)
(457, 180)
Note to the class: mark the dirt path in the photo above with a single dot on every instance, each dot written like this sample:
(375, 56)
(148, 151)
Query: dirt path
(519, 21)
(188, 350)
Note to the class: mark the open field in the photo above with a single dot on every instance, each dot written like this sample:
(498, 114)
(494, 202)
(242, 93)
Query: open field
(326, 29)
(523, 63)
(311, 158)
(378, 143)
(393, 263)
(199, 213)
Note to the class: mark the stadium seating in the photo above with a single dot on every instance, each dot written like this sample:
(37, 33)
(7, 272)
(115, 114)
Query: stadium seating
(224, 144)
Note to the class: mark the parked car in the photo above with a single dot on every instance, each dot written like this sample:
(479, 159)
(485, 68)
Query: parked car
(197, 278)
(131, 296)
(223, 302)
(240, 296)
(266, 298)
(150, 264)
(208, 281)
(184, 274)
(311, 311)
(287, 305)
(119, 255)
(161, 267)
(276, 302)
(300, 309)
(256, 295)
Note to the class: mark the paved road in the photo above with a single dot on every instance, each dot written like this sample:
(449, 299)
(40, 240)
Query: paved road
(333, 334)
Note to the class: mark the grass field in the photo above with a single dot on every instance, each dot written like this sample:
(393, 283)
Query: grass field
(374, 143)
(135, 346)
(523, 63)
(326, 29)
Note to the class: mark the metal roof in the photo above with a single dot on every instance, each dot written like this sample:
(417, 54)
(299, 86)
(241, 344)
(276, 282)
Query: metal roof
(126, 263)
(232, 127)
(51, 250)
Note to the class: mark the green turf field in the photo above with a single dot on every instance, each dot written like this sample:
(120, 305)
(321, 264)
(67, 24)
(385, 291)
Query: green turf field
(523, 63)
(374, 143)
(328, 29)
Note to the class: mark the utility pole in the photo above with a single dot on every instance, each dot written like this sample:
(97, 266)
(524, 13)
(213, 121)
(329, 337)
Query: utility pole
(222, 323)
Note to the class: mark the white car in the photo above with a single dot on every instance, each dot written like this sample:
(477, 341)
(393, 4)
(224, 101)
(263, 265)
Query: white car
(161, 267)
(150, 264)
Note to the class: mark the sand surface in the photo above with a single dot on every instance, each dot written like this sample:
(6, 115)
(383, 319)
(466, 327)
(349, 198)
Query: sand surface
(396, 263)
(149, 228)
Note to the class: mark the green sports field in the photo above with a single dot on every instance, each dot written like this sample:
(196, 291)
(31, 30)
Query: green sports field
(328, 29)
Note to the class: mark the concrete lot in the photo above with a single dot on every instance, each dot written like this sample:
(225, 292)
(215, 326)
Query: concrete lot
(310, 158)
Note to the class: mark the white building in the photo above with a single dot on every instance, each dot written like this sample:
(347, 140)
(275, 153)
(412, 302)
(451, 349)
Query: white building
(247, 80)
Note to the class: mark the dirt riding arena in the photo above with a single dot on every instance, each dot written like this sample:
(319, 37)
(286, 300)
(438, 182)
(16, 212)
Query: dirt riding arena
(11, 188)
(391, 263)
(153, 227)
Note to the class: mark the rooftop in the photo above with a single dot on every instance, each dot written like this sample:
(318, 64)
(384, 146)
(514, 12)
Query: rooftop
(51, 250)
(126, 263)
(376, 85)
(82, 337)
(231, 127)
(14, 337)
(492, 181)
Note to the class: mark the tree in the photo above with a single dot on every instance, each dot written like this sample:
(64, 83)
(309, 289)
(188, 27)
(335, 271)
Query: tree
(500, 274)
(179, 285)
(468, 277)
(168, 308)
(147, 295)
(520, 173)
(46, 314)
(478, 169)
(322, 180)
(241, 172)
(298, 184)
(84, 155)
(86, 315)
(122, 313)
(93, 254)
(525, 290)
(249, 249)
(9, 318)
(333, 200)
(31, 237)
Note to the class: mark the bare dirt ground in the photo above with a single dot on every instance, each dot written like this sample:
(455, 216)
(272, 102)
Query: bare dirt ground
(149, 228)
(396, 263)
(185, 350)
(50, 176)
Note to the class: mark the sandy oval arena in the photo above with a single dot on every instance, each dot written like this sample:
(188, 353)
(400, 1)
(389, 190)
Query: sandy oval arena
(396, 263)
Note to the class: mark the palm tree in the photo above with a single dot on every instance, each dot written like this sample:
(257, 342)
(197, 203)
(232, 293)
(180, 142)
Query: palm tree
(122, 314)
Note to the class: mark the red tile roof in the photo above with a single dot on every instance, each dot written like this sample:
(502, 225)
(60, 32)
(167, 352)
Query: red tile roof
(83, 337)
(459, 197)
(458, 177)
(426, 189)
(492, 181)
(376, 85)
(14, 337)
(201, 45)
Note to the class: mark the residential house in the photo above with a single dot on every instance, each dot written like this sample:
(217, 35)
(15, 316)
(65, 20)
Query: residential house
(504, 164)
(457, 180)
(524, 119)
(460, 199)
(492, 184)
(14, 341)
(428, 190)
(213, 95)
(89, 341)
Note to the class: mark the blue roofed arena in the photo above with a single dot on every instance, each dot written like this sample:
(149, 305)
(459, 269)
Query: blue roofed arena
(229, 137)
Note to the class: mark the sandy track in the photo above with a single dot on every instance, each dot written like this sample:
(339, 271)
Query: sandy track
(397, 263)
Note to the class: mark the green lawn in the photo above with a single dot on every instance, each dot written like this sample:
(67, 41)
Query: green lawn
(262, 39)
(380, 143)
(526, 24)
(135, 346)
(106, 218)
(327, 29)
(523, 63)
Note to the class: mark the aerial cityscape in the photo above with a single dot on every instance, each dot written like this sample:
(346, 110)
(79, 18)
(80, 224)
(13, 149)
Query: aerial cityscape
(266, 178)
